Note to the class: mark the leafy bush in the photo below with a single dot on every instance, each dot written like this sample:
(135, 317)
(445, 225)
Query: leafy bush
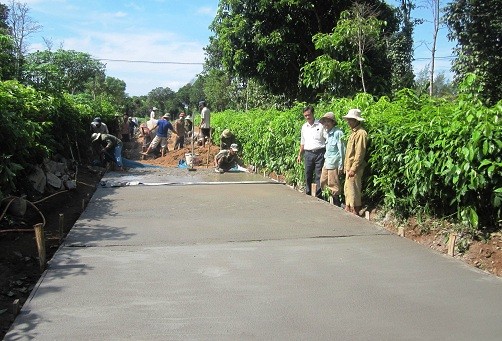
(21, 131)
(36, 125)
(425, 155)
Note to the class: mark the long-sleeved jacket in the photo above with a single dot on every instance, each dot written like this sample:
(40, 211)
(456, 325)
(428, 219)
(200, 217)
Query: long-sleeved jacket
(356, 150)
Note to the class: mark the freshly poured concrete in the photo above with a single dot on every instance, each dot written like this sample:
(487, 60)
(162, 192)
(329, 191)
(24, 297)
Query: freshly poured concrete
(171, 259)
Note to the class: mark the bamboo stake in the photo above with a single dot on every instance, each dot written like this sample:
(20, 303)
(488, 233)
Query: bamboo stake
(451, 244)
(207, 158)
(15, 307)
(40, 238)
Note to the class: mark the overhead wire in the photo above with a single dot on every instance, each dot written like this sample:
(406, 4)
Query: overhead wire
(148, 61)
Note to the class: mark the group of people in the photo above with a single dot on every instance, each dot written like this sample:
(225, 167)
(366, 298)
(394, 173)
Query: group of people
(326, 157)
(323, 151)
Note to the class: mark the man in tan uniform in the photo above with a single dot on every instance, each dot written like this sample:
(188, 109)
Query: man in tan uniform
(354, 161)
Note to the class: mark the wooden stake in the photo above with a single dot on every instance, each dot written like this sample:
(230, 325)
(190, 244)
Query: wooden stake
(208, 148)
(15, 307)
(400, 231)
(40, 238)
(451, 244)
(61, 226)
(367, 215)
(313, 189)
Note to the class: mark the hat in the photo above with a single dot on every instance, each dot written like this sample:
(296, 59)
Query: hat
(202, 103)
(166, 116)
(95, 136)
(327, 116)
(97, 119)
(154, 108)
(234, 147)
(226, 133)
(355, 114)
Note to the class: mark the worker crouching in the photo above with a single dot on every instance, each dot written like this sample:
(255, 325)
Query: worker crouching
(226, 159)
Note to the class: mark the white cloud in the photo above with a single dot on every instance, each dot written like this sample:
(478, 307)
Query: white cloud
(206, 11)
(151, 48)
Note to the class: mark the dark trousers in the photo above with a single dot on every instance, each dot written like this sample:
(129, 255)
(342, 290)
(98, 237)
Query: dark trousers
(313, 160)
(180, 141)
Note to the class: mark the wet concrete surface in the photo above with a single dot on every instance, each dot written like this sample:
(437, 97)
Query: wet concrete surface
(169, 254)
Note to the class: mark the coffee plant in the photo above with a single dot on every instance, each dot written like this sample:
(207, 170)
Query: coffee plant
(425, 155)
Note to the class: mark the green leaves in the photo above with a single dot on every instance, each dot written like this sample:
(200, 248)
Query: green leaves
(423, 152)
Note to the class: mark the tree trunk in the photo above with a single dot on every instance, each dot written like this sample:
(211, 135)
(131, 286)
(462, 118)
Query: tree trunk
(361, 56)
(435, 12)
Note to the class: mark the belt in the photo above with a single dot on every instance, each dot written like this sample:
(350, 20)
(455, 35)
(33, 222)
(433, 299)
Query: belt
(317, 151)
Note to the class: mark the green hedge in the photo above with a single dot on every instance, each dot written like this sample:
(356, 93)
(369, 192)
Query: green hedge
(425, 155)
(36, 126)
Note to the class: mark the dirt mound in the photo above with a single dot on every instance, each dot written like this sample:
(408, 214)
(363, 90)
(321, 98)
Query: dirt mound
(204, 156)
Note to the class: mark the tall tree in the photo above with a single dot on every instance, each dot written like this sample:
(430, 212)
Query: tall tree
(7, 57)
(434, 6)
(4, 17)
(62, 71)
(270, 41)
(346, 53)
(477, 27)
(161, 98)
(401, 47)
(21, 26)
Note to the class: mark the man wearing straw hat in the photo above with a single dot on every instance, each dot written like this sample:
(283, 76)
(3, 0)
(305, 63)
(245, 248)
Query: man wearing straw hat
(226, 139)
(354, 161)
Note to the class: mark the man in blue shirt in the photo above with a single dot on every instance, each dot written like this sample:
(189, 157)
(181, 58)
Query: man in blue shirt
(163, 125)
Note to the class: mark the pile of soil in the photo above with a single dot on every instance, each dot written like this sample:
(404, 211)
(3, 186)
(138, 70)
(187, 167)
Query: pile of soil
(19, 264)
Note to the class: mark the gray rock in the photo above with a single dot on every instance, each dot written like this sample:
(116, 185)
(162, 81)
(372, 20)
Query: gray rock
(54, 181)
(38, 179)
(70, 184)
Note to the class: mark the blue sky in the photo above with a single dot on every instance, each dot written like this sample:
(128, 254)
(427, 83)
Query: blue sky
(157, 31)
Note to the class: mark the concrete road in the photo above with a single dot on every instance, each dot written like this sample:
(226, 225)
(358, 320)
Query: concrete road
(177, 255)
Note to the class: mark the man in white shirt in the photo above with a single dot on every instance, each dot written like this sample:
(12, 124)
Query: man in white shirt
(205, 124)
(312, 148)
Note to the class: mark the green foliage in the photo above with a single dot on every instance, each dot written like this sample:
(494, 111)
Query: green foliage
(442, 87)
(268, 138)
(22, 131)
(476, 25)
(400, 50)
(62, 71)
(7, 58)
(36, 126)
(425, 154)
(346, 55)
(270, 41)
